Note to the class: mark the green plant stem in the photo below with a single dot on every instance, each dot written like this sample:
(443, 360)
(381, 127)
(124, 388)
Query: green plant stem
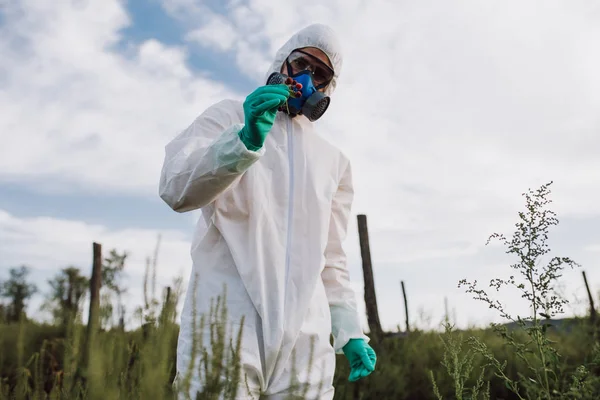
(535, 308)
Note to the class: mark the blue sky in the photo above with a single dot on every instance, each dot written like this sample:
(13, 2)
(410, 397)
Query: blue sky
(448, 111)
(149, 20)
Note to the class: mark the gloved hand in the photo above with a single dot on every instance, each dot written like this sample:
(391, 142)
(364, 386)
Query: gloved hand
(362, 358)
(260, 109)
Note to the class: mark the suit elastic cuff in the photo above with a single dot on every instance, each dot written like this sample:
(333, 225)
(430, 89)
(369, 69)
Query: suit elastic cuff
(249, 146)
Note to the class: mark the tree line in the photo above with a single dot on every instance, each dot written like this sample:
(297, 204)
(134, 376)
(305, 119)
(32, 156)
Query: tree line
(68, 290)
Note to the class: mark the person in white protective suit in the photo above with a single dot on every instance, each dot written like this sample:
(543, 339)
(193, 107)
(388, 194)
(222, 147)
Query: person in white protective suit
(275, 199)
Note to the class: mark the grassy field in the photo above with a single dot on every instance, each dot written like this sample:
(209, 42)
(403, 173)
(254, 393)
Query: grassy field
(530, 358)
(39, 362)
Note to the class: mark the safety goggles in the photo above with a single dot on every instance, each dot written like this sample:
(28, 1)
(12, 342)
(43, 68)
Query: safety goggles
(300, 61)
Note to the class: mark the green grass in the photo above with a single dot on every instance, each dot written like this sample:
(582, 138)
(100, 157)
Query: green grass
(131, 365)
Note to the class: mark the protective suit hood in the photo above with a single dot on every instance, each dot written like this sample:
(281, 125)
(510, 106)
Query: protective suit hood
(316, 35)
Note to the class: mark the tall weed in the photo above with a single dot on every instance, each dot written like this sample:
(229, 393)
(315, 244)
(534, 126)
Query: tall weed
(543, 375)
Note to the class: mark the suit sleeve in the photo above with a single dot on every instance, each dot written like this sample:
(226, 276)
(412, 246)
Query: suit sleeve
(345, 318)
(205, 159)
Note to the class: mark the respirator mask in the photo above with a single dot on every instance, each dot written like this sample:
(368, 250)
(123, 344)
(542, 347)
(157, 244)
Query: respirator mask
(306, 75)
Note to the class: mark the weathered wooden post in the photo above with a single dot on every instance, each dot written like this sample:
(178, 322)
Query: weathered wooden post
(591, 298)
(370, 297)
(405, 307)
(95, 283)
(166, 308)
(168, 295)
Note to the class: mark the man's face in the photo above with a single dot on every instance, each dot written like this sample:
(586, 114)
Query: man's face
(314, 60)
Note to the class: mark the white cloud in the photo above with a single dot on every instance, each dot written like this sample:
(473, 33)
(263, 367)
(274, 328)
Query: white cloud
(448, 111)
(593, 248)
(51, 243)
(79, 115)
(218, 33)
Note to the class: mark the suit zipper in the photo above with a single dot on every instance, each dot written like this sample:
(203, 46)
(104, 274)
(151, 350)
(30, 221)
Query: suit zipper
(290, 207)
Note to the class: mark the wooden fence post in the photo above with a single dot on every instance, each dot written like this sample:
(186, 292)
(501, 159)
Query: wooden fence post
(370, 297)
(166, 308)
(95, 284)
(405, 306)
(168, 295)
(591, 298)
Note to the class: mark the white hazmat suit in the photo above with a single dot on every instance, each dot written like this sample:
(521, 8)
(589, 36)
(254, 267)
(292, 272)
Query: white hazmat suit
(272, 230)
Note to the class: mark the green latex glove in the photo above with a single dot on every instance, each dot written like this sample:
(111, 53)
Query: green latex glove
(260, 109)
(362, 358)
